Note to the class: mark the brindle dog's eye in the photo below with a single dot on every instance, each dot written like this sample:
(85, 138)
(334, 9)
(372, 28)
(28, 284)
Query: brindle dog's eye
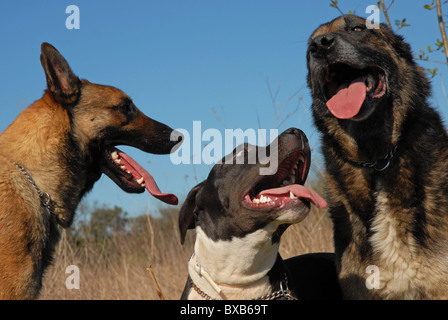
(359, 28)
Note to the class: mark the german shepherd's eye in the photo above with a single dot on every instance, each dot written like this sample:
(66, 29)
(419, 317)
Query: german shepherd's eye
(126, 107)
(359, 28)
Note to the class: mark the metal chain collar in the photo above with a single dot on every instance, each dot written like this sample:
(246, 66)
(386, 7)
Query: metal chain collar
(45, 198)
(282, 293)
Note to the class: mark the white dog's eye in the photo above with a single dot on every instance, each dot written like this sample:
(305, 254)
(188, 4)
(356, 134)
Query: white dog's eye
(240, 153)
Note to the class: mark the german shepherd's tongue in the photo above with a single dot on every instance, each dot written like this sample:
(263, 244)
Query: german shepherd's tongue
(139, 173)
(300, 192)
(347, 102)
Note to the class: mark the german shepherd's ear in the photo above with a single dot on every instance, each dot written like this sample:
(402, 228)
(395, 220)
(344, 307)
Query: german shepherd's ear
(186, 214)
(63, 84)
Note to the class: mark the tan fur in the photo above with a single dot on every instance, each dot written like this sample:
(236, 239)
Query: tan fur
(61, 140)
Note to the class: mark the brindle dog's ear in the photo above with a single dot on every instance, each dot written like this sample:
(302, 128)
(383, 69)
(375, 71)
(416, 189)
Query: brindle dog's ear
(186, 214)
(63, 84)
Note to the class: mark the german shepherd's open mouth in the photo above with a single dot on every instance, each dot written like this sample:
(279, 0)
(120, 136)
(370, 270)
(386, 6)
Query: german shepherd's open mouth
(130, 176)
(347, 89)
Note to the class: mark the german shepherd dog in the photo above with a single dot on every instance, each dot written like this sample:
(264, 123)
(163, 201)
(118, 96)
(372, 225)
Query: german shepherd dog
(53, 153)
(386, 155)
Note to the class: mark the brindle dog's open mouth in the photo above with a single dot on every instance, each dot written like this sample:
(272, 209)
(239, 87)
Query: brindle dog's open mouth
(347, 89)
(130, 176)
(285, 188)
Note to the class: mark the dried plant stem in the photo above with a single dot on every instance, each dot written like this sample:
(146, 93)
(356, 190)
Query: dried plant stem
(159, 292)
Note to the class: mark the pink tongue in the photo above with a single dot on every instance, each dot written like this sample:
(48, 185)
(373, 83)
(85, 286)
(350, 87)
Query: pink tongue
(300, 192)
(150, 184)
(347, 102)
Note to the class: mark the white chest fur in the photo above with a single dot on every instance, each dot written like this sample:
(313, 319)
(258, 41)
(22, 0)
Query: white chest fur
(394, 252)
(234, 264)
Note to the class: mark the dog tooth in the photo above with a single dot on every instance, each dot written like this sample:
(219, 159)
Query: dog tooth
(127, 171)
(122, 167)
(117, 161)
(114, 155)
(140, 181)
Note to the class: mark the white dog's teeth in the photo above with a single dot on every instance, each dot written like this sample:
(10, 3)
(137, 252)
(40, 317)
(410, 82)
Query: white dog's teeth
(114, 155)
(140, 181)
(122, 167)
(127, 171)
(292, 195)
(117, 161)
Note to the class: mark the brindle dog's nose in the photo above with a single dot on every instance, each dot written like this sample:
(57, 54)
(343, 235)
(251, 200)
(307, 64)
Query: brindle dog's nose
(322, 44)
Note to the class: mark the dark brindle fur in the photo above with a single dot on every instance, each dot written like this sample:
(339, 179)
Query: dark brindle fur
(64, 141)
(396, 219)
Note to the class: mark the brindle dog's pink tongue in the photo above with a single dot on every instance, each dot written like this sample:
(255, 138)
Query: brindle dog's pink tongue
(347, 102)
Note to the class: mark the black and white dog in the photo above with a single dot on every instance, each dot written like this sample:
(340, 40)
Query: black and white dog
(239, 216)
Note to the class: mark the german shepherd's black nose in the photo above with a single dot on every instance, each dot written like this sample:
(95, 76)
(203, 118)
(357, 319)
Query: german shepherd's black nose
(322, 44)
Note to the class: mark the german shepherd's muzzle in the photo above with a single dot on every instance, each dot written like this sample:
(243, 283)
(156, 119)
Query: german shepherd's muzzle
(53, 153)
(386, 155)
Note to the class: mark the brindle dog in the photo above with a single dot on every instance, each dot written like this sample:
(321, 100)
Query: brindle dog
(386, 154)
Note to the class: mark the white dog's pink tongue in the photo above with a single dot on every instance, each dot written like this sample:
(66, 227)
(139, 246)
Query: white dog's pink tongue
(347, 102)
(300, 192)
(138, 172)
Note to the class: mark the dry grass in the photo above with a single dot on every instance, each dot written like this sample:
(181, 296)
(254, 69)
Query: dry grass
(117, 269)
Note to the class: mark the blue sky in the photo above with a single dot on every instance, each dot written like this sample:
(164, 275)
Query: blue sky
(185, 61)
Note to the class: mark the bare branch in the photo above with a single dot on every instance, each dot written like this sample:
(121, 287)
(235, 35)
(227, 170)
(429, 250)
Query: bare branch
(384, 9)
(442, 27)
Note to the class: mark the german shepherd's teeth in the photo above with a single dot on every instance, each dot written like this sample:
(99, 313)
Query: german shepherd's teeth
(122, 167)
(140, 181)
(292, 195)
(114, 155)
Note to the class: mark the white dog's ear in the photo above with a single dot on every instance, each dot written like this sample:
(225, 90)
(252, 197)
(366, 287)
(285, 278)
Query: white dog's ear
(186, 214)
(63, 84)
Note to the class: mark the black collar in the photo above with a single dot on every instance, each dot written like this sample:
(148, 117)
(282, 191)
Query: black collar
(378, 165)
